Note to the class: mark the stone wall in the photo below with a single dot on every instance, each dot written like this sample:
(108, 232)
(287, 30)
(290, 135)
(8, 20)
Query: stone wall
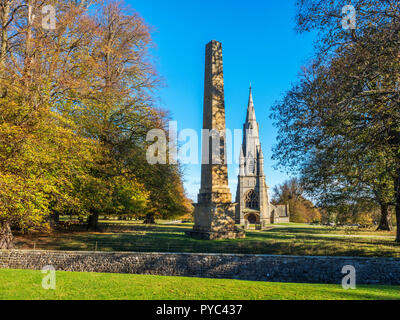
(229, 266)
(280, 214)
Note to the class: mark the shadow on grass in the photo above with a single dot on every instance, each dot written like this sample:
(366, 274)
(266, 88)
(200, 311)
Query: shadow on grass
(171, 238)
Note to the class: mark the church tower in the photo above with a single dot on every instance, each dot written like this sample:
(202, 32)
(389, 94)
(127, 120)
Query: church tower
(252, 197)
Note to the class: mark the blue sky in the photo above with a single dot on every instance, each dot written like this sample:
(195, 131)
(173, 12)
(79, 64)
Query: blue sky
(259, 46)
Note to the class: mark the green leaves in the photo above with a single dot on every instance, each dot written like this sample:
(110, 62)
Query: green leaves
(338, 125)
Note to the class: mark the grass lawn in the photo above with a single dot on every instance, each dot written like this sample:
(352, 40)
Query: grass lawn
(291, 239)
(26, 284)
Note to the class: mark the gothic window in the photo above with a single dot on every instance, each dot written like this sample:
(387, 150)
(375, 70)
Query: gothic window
(251, 200)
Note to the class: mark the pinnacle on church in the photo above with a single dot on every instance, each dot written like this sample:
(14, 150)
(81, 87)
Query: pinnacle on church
(251, 114)
(241, 162)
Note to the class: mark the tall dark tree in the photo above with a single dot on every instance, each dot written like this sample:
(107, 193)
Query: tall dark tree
(340, 125)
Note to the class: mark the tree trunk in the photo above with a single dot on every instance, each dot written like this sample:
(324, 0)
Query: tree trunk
(385, 223)
(93, 222)
(149, 219)
(54, 219)
(397, 195)
(6, 237)
(4, 43)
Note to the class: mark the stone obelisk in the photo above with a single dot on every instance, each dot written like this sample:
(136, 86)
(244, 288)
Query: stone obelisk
(214, 213)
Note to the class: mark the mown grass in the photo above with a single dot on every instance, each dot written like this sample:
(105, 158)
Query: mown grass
(27, 285)
(292, 239)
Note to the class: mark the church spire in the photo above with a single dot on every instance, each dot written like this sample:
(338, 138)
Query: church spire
(251, 114)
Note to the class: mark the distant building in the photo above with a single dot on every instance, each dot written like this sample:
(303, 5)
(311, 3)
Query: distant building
(252, 196)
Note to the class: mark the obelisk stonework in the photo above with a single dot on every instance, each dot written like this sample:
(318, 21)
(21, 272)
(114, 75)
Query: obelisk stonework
(214, 213)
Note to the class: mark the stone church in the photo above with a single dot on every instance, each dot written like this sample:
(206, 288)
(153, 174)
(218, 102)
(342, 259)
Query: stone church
(252, 196)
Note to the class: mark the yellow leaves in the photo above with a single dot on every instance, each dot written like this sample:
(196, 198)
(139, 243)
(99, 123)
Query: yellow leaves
(21, 200)
(70, 115)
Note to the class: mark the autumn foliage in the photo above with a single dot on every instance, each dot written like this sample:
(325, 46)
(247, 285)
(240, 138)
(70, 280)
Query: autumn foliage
(76, 103)
(339, 125)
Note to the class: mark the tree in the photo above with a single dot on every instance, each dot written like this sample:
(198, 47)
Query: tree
(291, 192)
(339, 172)
(116, 109)
(76, 103)
(340, 123)
(39, 148)
(168, 199)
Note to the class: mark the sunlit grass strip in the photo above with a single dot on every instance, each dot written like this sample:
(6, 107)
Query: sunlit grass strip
(27, 284)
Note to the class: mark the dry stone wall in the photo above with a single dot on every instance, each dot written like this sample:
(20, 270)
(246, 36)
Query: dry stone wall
(229, 266)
